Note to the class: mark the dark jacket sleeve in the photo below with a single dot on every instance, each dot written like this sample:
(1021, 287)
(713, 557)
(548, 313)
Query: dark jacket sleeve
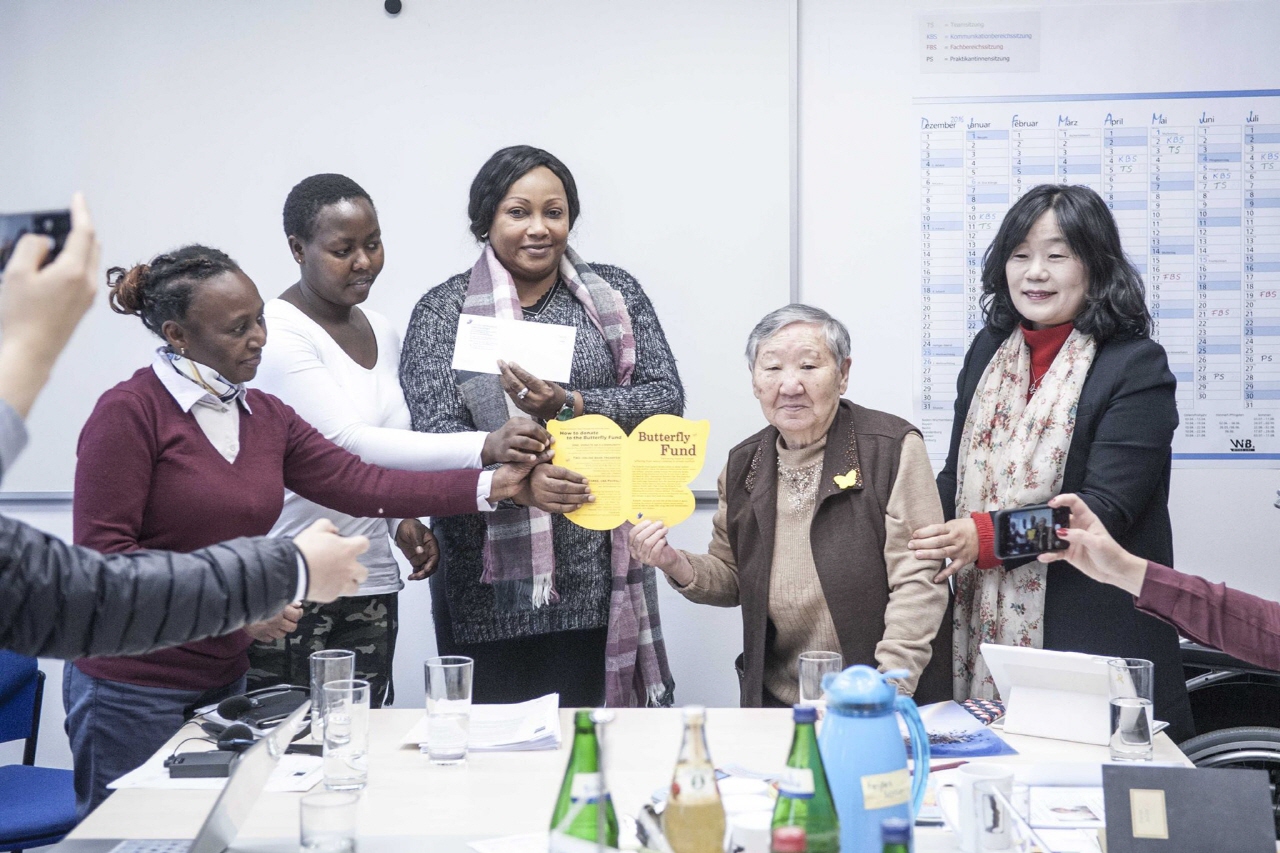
(1130, 446)
(59, 600)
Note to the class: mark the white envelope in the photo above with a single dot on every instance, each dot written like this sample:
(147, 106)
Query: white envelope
(543, 349)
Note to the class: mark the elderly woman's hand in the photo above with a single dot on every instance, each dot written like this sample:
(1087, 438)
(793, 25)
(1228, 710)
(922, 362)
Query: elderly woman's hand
(518, 440)
(955, 541)
(648, 543)
(531, 394)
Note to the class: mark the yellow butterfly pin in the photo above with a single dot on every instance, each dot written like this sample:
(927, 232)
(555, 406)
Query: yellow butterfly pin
(850, 480)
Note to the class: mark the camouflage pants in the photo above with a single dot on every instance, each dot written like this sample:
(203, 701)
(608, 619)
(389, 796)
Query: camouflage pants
(365, 624)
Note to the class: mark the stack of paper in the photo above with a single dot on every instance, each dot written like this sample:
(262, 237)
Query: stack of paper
(506, 728)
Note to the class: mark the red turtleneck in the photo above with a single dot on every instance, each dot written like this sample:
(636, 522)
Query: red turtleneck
(1044, 345)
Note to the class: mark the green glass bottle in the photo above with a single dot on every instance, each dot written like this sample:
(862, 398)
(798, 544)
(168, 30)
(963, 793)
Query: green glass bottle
(804, 798)
(584, 784)
(895, 834)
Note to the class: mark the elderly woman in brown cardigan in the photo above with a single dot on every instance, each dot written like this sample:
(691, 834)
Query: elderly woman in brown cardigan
(811, 533)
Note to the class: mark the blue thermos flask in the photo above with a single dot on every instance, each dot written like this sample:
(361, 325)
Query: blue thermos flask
(865, 758)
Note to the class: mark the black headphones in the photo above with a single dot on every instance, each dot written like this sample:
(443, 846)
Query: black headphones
(236, 737)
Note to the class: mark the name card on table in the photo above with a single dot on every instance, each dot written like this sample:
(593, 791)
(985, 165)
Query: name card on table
(1187, 810)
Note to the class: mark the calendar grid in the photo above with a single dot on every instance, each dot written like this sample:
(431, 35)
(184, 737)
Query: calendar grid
(1194, 186)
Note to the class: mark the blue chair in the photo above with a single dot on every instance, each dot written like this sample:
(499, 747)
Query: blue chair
(37, 804)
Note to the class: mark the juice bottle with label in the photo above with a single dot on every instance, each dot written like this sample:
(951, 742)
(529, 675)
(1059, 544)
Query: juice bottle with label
(804, 798)
(583, 785)
(693, 820)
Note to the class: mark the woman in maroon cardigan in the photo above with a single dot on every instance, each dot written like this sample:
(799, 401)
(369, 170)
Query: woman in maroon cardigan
(181, 456)
(1240, 624)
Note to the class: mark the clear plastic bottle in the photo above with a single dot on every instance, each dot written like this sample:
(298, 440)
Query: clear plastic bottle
(693, 820)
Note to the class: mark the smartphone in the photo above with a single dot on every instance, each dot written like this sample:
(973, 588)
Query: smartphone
(1030, 530)
(51, 223)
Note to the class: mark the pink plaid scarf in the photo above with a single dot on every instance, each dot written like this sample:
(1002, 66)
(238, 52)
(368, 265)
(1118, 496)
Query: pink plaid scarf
(519, 555)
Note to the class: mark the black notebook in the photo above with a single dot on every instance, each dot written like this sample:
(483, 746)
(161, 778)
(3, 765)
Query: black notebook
(1187, 810)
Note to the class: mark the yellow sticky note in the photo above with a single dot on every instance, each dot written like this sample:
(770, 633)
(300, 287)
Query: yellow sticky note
(882, 790)
(644, 476)
(1147, 812)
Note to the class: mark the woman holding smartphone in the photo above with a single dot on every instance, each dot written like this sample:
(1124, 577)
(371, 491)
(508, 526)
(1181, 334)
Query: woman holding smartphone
(1063, 390)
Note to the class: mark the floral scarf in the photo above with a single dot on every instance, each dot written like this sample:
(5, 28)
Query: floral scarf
(1013, 452)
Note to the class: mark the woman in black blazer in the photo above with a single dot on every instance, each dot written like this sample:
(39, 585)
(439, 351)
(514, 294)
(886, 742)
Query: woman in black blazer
(1062, 391)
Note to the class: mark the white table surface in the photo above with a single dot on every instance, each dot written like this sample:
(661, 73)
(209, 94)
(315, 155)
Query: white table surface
(497, 794)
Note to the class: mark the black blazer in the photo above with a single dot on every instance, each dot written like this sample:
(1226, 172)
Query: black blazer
(1119, 464)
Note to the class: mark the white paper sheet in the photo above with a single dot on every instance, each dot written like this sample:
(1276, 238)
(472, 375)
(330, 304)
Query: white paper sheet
(1063, 808)
(293, 773)
(506, 728)
(543, 349)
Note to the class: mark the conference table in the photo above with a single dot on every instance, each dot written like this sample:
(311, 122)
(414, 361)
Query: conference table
(411, 804)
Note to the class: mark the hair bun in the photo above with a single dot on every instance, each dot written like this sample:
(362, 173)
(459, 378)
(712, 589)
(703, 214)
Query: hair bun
(127, 288)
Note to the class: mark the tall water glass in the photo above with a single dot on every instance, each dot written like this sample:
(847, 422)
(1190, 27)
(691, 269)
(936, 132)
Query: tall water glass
(814, 665)
(346, 734)
(328, 822)
(1132, 685)
(448, 708)
(326, 666)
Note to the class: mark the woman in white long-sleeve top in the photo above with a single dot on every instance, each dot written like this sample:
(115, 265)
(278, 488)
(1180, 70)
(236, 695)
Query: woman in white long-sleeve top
(337, 364)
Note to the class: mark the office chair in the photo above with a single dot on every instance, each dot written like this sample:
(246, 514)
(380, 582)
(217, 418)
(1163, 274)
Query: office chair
(37, 804)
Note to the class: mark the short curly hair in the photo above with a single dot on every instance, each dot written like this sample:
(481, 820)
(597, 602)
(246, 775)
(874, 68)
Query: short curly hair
(313, 194)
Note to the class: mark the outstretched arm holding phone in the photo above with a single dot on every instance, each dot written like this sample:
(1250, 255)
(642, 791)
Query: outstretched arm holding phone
(56, 600)
(1242, 625)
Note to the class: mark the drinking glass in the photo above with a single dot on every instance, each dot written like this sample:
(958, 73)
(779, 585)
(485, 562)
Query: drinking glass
(346, 734)
(328, 822)
(326, 666)
(814, 665)
(448, 708)
(1131, 682)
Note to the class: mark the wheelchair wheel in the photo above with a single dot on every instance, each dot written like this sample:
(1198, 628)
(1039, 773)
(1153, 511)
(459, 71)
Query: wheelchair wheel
(1255, 747)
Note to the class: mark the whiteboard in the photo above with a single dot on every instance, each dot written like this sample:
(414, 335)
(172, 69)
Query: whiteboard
(190, 122)
(861, 86)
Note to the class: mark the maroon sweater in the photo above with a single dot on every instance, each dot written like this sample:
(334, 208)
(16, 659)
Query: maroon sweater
(1239, 624)
(147, 477)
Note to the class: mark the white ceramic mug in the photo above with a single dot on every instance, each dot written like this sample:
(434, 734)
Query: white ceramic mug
(962, 816)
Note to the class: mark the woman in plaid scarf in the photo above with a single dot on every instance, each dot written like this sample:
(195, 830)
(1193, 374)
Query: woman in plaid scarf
(541, 604)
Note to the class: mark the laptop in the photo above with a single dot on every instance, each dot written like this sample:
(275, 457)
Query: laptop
(248, 778)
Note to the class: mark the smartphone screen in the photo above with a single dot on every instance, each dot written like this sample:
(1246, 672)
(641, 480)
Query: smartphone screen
(1030, 530)
(51, 223)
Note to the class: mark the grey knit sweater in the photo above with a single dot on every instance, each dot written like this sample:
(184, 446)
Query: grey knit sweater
(582, 574)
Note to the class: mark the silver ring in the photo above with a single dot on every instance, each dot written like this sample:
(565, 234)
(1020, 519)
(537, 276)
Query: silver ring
(522, 393)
